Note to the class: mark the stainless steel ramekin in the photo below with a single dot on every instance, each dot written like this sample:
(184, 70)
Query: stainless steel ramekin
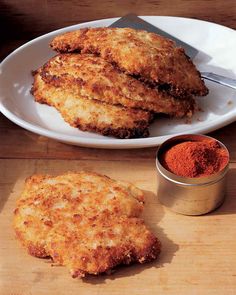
(189, 196)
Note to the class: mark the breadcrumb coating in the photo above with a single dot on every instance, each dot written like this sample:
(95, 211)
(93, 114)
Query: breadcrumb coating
(89, 114)
(84, 221)
(148, 56)
(92, 77)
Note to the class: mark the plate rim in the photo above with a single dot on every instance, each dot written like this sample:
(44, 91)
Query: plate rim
(111, 143)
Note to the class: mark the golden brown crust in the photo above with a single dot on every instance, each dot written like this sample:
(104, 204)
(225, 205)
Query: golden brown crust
(133, 243)
(88, 114)
(151, 57)
(85, 221)
(92, 77)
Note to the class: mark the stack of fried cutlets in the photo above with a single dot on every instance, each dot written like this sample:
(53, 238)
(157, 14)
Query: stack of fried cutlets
(114, 80)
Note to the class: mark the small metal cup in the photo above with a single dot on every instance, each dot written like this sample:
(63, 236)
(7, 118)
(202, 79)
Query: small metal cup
(185, 195)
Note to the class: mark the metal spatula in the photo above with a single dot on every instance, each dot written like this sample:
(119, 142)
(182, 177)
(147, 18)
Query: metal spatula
(132, 21)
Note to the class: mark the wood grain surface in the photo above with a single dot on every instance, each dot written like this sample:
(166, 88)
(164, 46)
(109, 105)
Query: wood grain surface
(198, 255)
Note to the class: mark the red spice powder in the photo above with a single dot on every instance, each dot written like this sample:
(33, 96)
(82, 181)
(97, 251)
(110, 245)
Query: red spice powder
(195, 158)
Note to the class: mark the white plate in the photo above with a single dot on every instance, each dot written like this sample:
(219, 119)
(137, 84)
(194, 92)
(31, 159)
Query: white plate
(217, 45)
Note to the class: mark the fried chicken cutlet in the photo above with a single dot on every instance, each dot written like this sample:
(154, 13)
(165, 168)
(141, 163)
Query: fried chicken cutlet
(89, 114)
(90, 76)
(147, 56)
(85, 221)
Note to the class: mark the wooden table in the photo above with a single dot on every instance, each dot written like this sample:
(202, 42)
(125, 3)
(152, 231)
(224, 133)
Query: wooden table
(199, 253)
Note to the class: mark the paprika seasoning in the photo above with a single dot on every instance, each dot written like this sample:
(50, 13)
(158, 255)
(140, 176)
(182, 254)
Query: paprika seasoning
(195, 158)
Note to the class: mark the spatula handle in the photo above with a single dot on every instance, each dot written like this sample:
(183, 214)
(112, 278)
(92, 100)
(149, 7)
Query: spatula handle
(229, 82)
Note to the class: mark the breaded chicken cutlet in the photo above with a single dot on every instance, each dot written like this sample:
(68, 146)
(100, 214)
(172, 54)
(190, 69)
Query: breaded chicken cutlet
(85, 221)
(90, 76)
(89, 114)
(146, 56)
